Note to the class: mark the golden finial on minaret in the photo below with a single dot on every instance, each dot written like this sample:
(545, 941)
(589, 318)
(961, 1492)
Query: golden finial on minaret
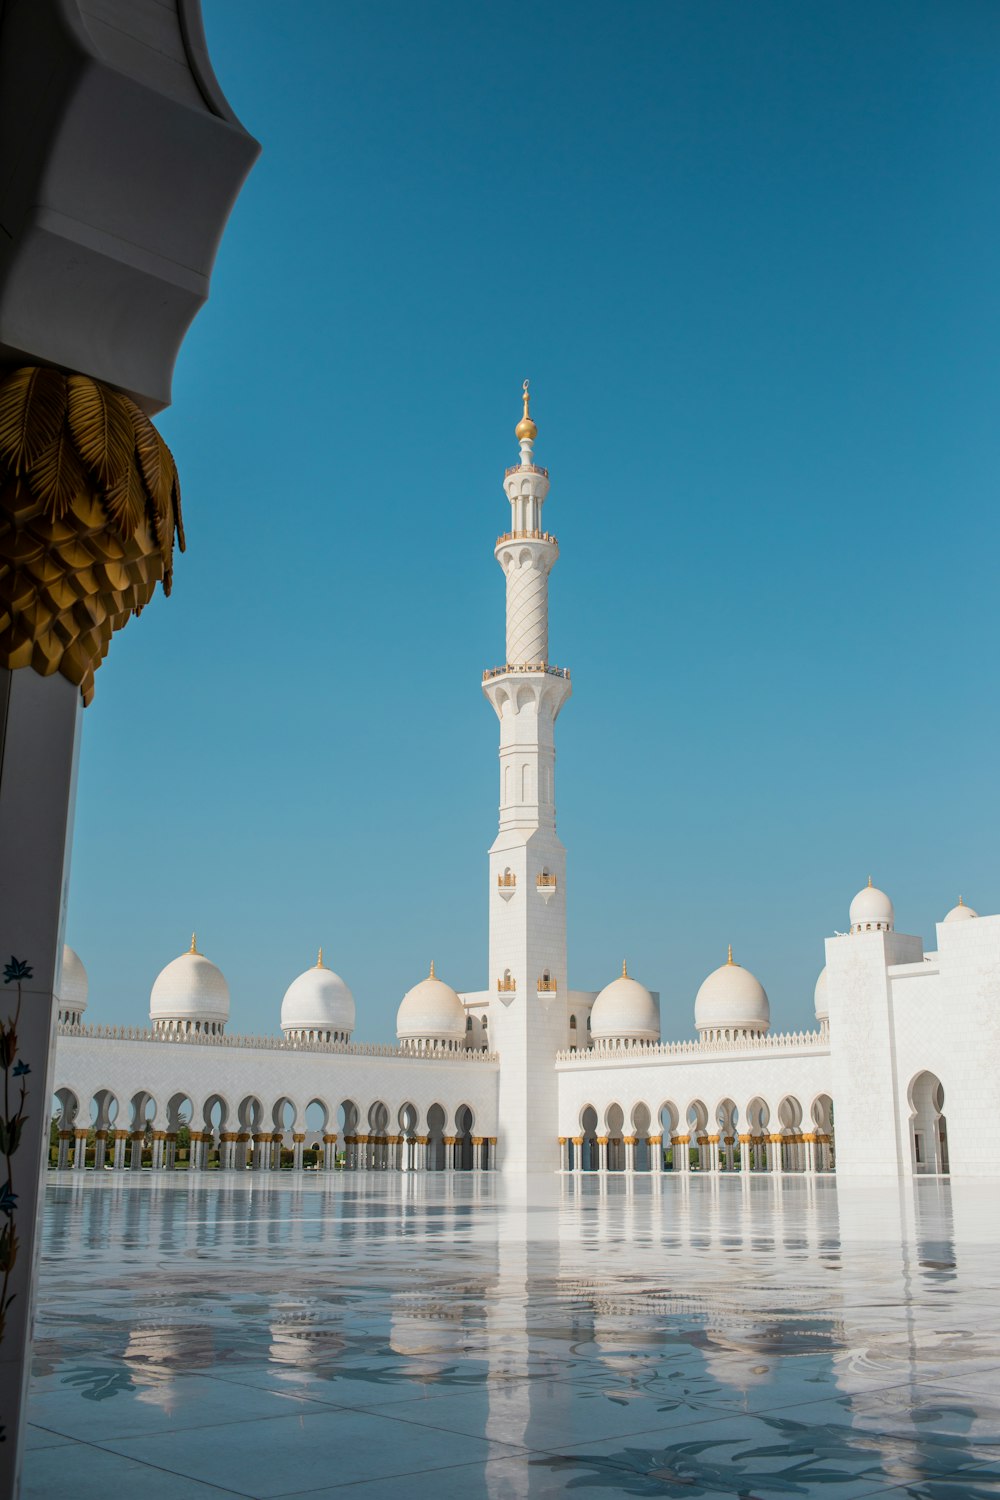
(319, 961)
(869, 882)
(960, 901)
(431, 974)
(730, 958)
(526, 427)
(624, 969)
(194, 944)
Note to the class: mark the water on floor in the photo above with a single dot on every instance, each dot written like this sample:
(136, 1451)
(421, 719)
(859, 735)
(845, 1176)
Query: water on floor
(447, 1335)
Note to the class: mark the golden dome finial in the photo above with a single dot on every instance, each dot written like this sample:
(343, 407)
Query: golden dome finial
(961, 901)
(431, 974)
(624, 969)
(730, 957)
(194, 943)
(869, 882)
(319, 961)
(526, 427)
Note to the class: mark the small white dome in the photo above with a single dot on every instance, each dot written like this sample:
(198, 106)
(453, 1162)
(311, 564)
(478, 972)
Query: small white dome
(318, 1001)
(625, 1011)
(871, 910)
(822, 1004)
(74, 985)
(431, 1012)
(190, 989)
(959, 913)
(732, 999)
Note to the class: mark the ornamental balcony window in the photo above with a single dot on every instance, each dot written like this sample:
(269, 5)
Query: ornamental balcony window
(507, 985)
(506, 881)
(546, 984)
(526, 536)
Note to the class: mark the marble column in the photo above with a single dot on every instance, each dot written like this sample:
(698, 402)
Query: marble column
(629, 1144)
(298, 1143)
(655, 1145)
(602, 1154)
(329, 1153)
(450, 1147)
(774, 1155)
(577, 1153)
(62, 1157)
(420, 1159)
(100, 1149)
(120, 1138)
(79, 1150)
(682, 1152)
(493, 1162)
(170, 1151)
(159, 1143)
(564, 1153)
(135, 1154)
(713, 1152)
(361, 1152)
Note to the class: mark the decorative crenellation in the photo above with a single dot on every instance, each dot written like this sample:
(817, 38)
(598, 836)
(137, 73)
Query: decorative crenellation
(274, 1044)
(603, 1052)
(525, 666)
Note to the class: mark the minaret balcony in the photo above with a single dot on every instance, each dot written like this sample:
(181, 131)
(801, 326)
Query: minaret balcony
(546, 987)
(526, 469)
(525, 666)
(506, 985)
(506, 885)
(546, 886)
(526, 536)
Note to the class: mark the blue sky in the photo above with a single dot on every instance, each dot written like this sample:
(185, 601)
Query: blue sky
(748, 257)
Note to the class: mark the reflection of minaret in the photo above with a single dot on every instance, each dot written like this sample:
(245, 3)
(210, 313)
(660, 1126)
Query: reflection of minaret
(527, 861)
(156, 1354)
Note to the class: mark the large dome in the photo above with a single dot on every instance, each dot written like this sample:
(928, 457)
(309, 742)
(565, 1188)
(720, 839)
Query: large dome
(731, 1004)
(318, 1006)
(190, 994)
(820, 1001)
(71, 1001)
(871, 910)
(625, 1011)
(959, 913)
(432, 1014)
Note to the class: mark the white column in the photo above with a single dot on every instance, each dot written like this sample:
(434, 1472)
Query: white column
(79, 1150)
(655, 1145)
(629, 1142)
(682, 1152)
(298, 1143)
(120, 1138)
(62, 1158)
(135, 1154)
(564, 1153)
(170, 1152)
(602, 1154)
(329, 1153)
(159, 1142)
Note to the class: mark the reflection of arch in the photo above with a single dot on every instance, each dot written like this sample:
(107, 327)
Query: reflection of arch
(928, 1127)
(822, 1124)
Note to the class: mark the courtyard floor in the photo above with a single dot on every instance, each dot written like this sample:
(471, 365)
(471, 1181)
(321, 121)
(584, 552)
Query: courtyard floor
(448, 1336)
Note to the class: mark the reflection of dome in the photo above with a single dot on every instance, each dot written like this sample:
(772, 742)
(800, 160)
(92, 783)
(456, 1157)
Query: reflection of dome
(625, 1011)
(959, 913)
(731, 1004)
(318, 1007)
(431, 1014)
(71, 1001)
(190, 994)
(871, 910)
(820, 1001)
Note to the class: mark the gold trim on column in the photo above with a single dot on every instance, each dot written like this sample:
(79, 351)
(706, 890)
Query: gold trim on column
(89, 508)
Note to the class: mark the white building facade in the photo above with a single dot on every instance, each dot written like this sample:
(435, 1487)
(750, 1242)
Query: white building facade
(528, 1074)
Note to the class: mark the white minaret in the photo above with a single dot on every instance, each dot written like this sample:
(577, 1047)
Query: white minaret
(528, 1018)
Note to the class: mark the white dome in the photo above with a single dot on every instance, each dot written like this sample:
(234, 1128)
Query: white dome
(73, 984)
(625, 1010)
(871, 910)
(822, 1004)
(732, 999)
(959, 913)
(190, 990)
(431, 1012)
(318, 1001)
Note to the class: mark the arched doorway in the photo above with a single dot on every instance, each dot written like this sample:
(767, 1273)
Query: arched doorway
(928, 1127)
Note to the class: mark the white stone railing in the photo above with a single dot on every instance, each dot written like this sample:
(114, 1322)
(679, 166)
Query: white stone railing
(780, 1041)
(270, 1044)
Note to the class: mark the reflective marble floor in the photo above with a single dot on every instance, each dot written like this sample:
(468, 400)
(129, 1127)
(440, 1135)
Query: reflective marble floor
(445, 1336)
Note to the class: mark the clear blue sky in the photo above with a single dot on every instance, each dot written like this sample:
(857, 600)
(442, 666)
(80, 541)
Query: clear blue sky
(748, 255)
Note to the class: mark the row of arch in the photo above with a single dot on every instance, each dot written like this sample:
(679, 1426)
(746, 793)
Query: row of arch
(174, 1133)
(697, 1138)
